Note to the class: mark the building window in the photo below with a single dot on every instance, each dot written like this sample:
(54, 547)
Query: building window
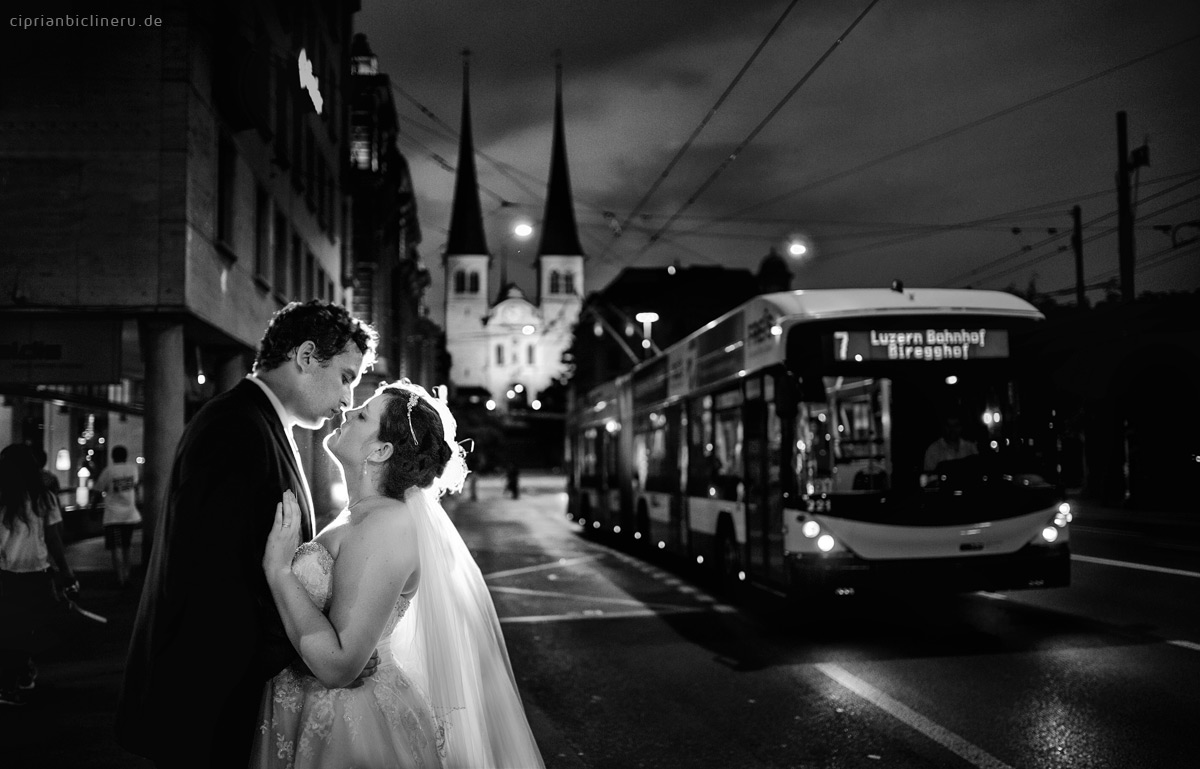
(474, 282)
(460, 282)
(529, 355)
(226, 189)
(499, 355)
(281, 255)
(360, 142)
(568, 283)
(554, 282)
(310, 269)
(262, 235)
(297, 270)
(329, 287)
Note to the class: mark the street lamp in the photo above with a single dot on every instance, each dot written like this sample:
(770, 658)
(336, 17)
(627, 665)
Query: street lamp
(646, 319)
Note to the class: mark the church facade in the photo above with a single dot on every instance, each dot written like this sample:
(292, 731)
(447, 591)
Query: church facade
(499, 339)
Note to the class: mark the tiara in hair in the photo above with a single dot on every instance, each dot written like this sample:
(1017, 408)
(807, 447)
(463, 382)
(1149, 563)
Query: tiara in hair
(412, 401)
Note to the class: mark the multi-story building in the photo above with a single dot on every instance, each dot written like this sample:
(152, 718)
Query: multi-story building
(389, 279)
(164, 189)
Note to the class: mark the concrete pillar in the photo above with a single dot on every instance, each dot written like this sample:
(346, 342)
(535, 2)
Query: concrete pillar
(231, 369)
(162, 346)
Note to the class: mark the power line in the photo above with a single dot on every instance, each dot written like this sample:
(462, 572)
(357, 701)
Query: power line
(704, 121)
(952, 132)
(1025, 249)
(1086, 240)
(750, 137)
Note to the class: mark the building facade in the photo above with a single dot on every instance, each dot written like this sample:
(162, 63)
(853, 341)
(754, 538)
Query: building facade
(504, 342)
(388, 279)
(164, 189)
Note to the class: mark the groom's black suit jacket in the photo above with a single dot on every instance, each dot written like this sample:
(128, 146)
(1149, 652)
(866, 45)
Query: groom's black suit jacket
(207, 635)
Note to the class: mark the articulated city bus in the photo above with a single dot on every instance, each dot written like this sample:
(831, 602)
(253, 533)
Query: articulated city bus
(796, 443)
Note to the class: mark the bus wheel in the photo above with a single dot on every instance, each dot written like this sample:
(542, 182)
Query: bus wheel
(729, 558)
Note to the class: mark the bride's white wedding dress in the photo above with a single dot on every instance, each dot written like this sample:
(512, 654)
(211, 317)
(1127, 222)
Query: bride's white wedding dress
(387, 722)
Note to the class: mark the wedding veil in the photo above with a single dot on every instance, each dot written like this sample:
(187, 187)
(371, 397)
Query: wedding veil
(450, 641)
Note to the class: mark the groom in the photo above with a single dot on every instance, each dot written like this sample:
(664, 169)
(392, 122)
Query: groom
(207, 635)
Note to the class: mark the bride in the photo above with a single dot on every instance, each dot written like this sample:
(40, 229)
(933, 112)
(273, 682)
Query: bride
(389, 575)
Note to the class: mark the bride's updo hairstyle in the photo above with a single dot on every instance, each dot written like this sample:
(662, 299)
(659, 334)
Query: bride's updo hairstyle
(425, 454)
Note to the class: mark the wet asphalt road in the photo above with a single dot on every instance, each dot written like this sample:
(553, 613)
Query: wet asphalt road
(628, 663)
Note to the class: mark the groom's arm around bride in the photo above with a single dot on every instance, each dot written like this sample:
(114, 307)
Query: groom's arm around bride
(207, 635)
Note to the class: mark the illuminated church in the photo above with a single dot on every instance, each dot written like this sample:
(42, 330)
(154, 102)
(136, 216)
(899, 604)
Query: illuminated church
(499, 339)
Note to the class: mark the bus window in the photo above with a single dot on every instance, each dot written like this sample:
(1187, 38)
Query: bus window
(726, 457)
(588, 452)
(814, 448)
(860, 446)
(657, 458)
(700, 447)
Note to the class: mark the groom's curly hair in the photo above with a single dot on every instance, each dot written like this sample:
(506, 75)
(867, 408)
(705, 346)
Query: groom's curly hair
(419, 456)
(327, 325)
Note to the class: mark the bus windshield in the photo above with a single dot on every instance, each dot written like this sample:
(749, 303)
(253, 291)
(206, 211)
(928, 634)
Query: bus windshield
(913, 432)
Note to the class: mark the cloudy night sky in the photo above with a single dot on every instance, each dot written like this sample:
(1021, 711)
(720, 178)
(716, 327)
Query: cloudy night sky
(942, 143)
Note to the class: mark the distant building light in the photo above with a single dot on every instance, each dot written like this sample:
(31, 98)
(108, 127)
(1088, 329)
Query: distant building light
(536, 405)
(491, 405)
(527, 329)
(519, 388)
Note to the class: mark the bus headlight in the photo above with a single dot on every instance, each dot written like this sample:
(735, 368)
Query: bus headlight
(825, 543)
(1050, 533)
(810, 529)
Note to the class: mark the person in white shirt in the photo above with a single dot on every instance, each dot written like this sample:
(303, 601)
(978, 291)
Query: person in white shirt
(950, 446)
(119, 483)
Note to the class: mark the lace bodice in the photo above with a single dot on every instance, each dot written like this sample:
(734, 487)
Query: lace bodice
(313, 566)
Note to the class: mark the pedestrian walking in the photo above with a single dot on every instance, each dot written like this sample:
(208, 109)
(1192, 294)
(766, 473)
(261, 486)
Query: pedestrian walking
(30, 544)
(119, 483)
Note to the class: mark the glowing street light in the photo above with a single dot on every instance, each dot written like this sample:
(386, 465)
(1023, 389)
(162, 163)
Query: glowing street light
(646, 319)
(523, 229)
(796, 248)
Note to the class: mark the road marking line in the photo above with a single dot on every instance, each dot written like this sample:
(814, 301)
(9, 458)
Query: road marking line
(544, 618)
(581, 597)
(1128, 565)
(1186, 645)
(557, 564)
(939, 734)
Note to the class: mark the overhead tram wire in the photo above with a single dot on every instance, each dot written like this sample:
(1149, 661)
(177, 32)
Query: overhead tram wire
(975, 224)
(1096, 236)
(989, 266)
(950, 133)
(762, 124)
(1145, 264)
(507, 170)
(703, 122)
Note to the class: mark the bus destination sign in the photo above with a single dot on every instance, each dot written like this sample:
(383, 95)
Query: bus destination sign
(929, 344)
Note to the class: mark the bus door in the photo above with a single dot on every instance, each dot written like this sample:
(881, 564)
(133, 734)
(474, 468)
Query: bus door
(763, 456)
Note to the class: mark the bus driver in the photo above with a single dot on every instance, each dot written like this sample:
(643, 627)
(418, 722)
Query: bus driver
(950, 446)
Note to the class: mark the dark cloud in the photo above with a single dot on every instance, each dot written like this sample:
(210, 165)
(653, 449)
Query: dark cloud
(928, 113)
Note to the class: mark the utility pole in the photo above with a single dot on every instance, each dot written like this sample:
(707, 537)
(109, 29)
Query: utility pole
(1077, 244)
(1125, 164)
(1124, 211)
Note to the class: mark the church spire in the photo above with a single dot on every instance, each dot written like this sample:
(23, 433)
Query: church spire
(559, 233)
(466, 218)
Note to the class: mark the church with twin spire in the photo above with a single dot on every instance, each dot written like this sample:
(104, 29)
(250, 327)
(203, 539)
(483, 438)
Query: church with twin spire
(500, 340)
